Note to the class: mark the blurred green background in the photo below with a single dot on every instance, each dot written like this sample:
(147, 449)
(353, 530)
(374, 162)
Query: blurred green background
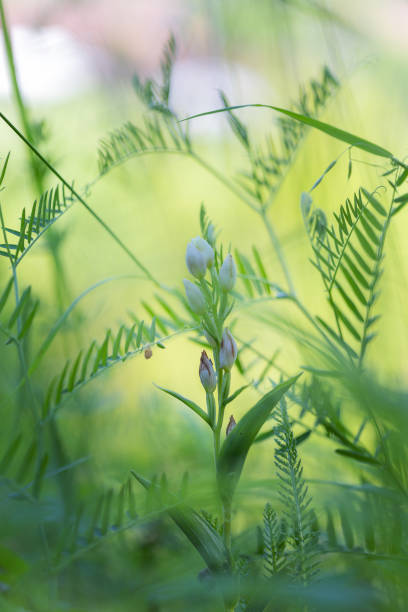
(258, 52)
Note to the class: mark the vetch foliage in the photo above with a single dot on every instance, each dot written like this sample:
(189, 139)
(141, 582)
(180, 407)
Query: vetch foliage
(348, 256)
(51, 205)
(78, 511)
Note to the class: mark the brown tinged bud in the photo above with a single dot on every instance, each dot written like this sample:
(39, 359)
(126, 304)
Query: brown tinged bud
(228, 350)
(230, 426)
(148, 353)
(207, 373)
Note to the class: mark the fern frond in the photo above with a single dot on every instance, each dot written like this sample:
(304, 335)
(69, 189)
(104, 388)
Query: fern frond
(45, 211)
(301, 556)
(274, 536)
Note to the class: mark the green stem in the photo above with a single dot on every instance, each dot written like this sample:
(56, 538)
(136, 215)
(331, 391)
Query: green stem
(227, 528)
(22, 110)
(60, 277)
(278, 250)
(223, 180)
(223, 383)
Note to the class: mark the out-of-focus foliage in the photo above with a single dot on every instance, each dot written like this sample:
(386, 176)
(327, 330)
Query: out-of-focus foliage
(314, 475)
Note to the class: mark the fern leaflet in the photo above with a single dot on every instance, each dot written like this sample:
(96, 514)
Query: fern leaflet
(302, 561)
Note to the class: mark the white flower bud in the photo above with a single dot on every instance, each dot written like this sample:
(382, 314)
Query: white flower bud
(228, 350)
(207, 373)
(211, 234)
(305, 204)
(195, 298)
(228, 273)
(199, 256)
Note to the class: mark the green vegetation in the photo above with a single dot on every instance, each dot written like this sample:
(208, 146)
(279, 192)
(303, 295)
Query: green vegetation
(270, 477)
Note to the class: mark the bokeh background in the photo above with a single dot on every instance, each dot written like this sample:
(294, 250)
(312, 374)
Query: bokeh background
(75, 62)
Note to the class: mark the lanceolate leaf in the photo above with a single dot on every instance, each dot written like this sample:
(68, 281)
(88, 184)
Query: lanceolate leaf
(192, 405)
(236, 446)
(331, 130)
(202, 536)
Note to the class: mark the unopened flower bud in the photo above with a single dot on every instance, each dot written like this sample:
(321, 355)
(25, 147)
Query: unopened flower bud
(211, 234)
(199, 256)
(228, 273)
(230, 426)
(210, 339)
(228, 350)
(195, 298)
(305, 203)
(207, 373)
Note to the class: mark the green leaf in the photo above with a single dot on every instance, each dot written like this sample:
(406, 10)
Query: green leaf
(265, 435)
(3, 170)
(73, 374)
(10, 452)
(27, 323)
(242, 270)
(5, 294)
(365, 244)
(349, 302)
(12, 566)
(261, 268)
(374, 202)
(200, 533)
(21, 303)
(236, 446)
(192, 405)
(331, 130)
(39, 475)
(347, 529)
(357, 456)
(398, 182)
(236, 393)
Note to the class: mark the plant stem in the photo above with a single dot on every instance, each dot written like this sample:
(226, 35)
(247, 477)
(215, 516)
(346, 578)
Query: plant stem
(278, 250)
(223, 180)
(223, 383)
(22, 110)
(227, 527)
(261, 210)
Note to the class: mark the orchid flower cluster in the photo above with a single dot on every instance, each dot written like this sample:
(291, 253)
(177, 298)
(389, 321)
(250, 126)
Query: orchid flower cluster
(210, 298)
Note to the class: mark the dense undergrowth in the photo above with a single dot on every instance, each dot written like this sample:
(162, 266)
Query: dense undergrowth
(194, 541)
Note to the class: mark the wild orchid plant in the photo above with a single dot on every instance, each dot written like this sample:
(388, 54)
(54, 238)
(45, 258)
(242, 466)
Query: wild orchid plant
(278, 572)
(210, 298)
